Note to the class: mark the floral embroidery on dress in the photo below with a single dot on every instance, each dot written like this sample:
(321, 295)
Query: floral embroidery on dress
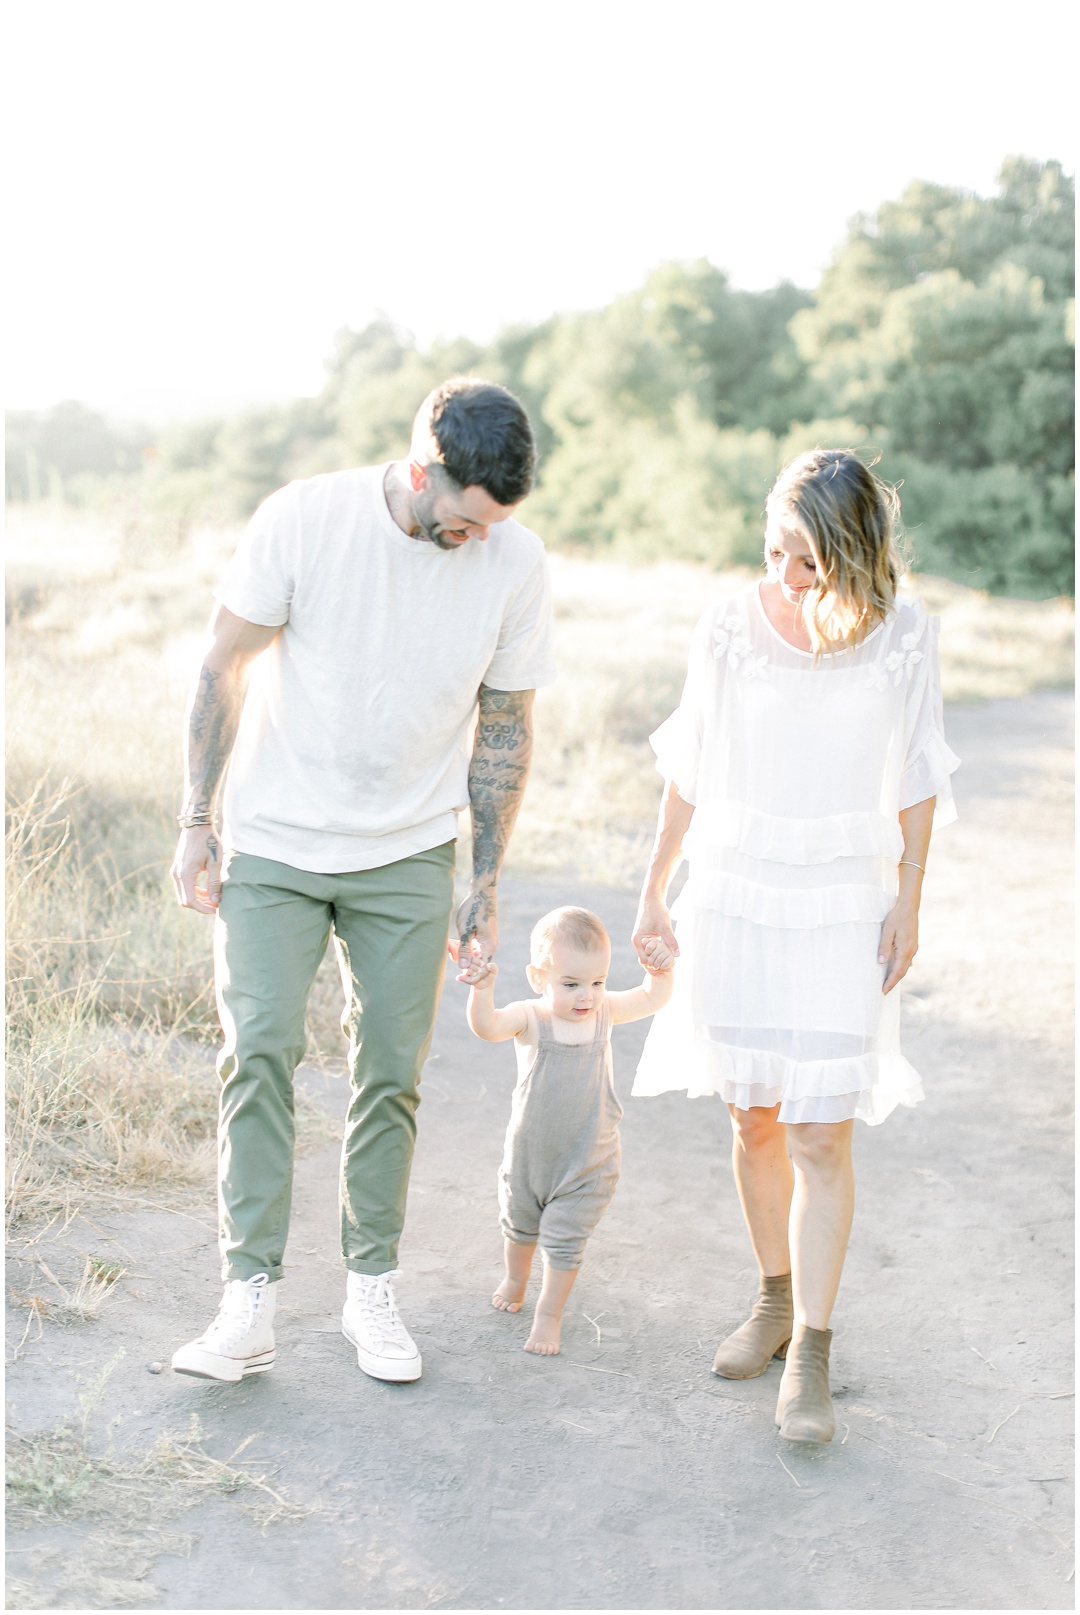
(729, 641)
(896, 666)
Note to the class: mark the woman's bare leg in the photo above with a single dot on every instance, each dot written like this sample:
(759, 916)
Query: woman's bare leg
(763, 1176)
(821, 1213)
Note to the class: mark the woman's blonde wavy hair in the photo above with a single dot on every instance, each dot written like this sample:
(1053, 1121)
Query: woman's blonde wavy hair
(852, 520)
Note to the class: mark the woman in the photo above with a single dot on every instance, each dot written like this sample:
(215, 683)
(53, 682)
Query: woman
(804, 764)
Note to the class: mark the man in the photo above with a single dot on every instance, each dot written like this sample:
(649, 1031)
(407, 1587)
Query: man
(375, 610)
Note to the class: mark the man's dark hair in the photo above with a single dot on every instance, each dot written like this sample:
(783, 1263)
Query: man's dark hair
(484, 437)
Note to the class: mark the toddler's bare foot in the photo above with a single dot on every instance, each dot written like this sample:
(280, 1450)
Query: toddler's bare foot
(544, 1335)
(509, 1296)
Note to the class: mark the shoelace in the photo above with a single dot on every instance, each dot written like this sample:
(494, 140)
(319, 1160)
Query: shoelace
(380, 1308)
(237, 1314)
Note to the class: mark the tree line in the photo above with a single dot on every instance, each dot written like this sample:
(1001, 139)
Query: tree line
(940, 338)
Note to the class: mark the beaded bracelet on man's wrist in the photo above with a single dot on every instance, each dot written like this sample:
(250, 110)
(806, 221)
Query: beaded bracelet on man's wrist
(196, 821)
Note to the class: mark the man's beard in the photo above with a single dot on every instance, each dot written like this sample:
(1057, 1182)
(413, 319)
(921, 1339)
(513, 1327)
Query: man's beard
(432, 530)
(435, 535)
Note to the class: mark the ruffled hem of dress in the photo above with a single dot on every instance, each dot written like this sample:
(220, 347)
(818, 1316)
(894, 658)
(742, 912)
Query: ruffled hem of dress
(798, 841)
(866, 1087)
(800, 910)
(930, 774)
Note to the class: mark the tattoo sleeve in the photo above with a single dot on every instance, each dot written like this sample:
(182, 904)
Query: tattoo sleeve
(213, 718)
(500, 766)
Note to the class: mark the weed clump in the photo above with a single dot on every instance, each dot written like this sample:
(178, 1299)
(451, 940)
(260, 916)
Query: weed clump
(117, 1503)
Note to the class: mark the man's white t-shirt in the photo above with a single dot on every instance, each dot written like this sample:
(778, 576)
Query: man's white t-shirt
(354, 743)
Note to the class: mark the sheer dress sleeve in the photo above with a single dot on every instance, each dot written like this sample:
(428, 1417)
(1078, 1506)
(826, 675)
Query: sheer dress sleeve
(677, 743)
(929, 763)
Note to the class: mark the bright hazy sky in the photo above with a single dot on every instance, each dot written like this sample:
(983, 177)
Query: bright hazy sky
(203, 191)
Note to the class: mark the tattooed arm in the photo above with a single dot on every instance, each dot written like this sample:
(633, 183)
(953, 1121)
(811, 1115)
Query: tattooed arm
(212, 719)
(497, 774)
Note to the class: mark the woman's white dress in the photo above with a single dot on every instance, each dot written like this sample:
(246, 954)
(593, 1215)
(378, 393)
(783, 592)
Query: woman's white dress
(797, 769)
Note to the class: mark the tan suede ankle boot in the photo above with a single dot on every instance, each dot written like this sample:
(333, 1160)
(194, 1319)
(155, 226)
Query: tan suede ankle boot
(804, 1409)
(765, 1334)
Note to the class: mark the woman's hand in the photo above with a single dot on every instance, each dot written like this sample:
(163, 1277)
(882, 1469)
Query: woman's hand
(899, 942)
(653, 919)
(653, 924)
(659, 958)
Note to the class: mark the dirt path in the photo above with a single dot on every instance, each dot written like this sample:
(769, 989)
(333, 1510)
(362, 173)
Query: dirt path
(623, 1475)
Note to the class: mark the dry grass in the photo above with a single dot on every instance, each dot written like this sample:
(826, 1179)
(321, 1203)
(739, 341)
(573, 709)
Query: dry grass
(110, 1079)
(111, 1020)
(111, 1088)
(107, 1089)
(53, 1474)
(116, 1503)
(65, 1303)
(993, 648)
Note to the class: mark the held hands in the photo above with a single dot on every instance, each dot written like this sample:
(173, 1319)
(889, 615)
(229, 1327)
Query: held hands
(196, 869)
(659, 959)
(653, 939)
(899, 943)
(477, 921)
(478, 937)
(475, 970)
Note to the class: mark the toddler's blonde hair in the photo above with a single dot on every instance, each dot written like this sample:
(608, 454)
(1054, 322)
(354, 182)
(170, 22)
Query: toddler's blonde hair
(852, 520)
(576, 926)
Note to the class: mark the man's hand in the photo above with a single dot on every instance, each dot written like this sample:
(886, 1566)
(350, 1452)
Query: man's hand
(497, 774)
(212, 719)
(196, 869)
(475, 970)
(478, 923)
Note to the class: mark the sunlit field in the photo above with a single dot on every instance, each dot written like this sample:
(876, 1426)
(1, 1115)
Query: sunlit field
(111, 1088)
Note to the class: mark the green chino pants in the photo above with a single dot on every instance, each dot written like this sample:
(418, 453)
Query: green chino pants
(390, 929)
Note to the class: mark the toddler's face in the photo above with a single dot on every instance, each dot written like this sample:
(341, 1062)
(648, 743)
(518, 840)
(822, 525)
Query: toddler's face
(573, 982)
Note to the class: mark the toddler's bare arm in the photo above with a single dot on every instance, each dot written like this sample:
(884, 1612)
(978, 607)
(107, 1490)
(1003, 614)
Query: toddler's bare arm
(654, 991)
(493, 1025)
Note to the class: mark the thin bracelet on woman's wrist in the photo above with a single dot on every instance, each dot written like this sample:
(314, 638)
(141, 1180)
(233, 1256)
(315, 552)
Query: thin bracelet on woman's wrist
(912, 863)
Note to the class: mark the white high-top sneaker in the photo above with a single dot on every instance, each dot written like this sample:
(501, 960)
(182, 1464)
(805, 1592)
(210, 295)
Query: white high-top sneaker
(369, 1319)
(241, 1338)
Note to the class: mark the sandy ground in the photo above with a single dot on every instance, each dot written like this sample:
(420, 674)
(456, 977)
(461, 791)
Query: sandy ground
(622, 1474)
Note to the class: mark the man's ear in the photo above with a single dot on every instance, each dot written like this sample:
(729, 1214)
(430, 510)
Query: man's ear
(417, 477)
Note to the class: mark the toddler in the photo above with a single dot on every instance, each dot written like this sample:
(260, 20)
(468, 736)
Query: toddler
(561, 1160)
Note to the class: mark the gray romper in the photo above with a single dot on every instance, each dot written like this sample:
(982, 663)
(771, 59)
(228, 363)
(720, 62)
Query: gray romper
(561, 1161)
